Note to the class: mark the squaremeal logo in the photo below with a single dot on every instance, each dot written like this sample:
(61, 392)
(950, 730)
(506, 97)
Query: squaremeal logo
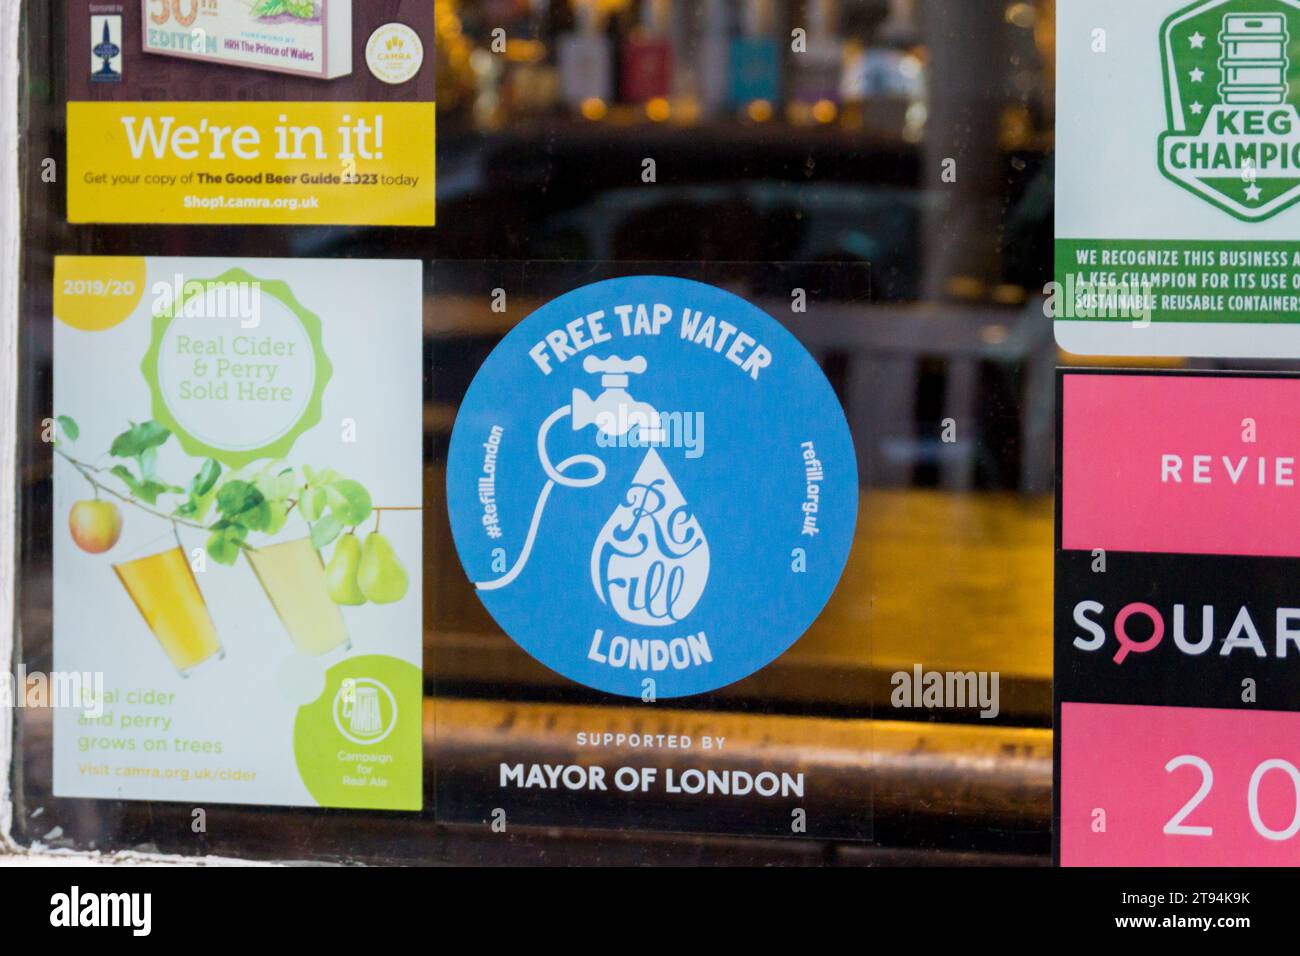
(1231, 88)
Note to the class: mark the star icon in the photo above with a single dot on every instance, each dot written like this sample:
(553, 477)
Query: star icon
(1197, 109)
(1253, 192)
(1198, 40)
(1198, 75)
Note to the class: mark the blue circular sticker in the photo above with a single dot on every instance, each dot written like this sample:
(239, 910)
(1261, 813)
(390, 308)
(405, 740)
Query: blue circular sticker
(652, 486)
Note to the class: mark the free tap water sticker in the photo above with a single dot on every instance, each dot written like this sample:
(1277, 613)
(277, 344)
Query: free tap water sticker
(1175, 230)
(652, 486)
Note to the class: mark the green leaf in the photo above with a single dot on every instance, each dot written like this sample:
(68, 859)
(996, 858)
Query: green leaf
(202, 492)
(312, 503)
(128, 479)
(147, 490)
(70, 428)
(324, 532)
(237, 497)
(224, 547)
(279, 514)
(149, 462)
(319, 479)
(349, 501)
(206, 479)
(150, 490)
(234, 527)
(257, 518)
(275, 486)
(135, 441)
(197, 507)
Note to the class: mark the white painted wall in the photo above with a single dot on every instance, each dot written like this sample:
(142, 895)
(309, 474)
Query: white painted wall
(9, 296)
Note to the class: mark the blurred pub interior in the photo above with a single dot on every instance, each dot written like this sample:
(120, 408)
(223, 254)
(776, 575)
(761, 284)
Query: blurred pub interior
(899, 166)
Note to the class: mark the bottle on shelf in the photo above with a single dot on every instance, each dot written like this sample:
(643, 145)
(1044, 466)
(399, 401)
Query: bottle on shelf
(756, 61)
(586, 62)
(883, 84)
(817, 69)
(713, 57)
(900, 28)
(647, 62)
(533, 80)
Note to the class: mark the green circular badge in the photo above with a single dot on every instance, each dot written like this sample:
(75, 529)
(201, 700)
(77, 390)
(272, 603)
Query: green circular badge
(236, 366)
(358, 744)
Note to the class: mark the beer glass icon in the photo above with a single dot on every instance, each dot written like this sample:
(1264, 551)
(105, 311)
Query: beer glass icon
(362, 712)
(365, 710)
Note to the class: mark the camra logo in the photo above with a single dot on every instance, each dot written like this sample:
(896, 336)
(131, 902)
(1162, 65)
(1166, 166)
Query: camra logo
(1231, 87)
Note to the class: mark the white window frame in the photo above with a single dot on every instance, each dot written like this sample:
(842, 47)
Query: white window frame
(10, 304)
(9, 299)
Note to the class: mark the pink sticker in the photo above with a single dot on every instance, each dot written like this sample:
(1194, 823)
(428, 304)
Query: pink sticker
(1181, 464)
(1179, 786)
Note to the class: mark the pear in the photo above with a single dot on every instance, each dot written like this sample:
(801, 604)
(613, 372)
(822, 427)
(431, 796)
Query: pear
(341, 574)
(381, 576)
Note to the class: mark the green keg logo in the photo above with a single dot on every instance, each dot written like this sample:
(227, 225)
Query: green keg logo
(1231, 90)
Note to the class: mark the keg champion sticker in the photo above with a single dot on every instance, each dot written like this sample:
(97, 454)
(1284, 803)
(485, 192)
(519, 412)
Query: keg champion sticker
(1234, 133)
(1177, 218)
(652, 486)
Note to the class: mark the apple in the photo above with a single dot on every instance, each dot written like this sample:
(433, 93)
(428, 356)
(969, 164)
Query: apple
(95, 525)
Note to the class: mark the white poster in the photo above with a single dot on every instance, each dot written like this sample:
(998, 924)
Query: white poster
(237, 540)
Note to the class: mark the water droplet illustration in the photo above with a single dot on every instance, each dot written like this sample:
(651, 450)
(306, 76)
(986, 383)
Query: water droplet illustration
(650, 562)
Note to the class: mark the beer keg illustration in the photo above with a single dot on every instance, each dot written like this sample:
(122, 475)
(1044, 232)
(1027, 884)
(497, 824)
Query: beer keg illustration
(1254, 63)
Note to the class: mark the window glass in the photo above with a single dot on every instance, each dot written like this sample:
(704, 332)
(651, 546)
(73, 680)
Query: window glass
(876, 176)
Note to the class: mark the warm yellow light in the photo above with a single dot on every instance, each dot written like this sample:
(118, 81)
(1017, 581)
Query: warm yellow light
(594, 108)
(994, 334)
(525, 51)
(760, 111)
(658, 109)
(824, 111)
(688, 110)
(966, 287)
(1009, 294)
(1021, 15)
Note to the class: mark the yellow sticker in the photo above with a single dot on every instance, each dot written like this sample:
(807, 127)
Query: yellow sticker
(312, 163)
(94, 293)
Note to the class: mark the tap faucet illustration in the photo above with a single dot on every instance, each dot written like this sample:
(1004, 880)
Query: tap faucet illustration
(615, 412)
